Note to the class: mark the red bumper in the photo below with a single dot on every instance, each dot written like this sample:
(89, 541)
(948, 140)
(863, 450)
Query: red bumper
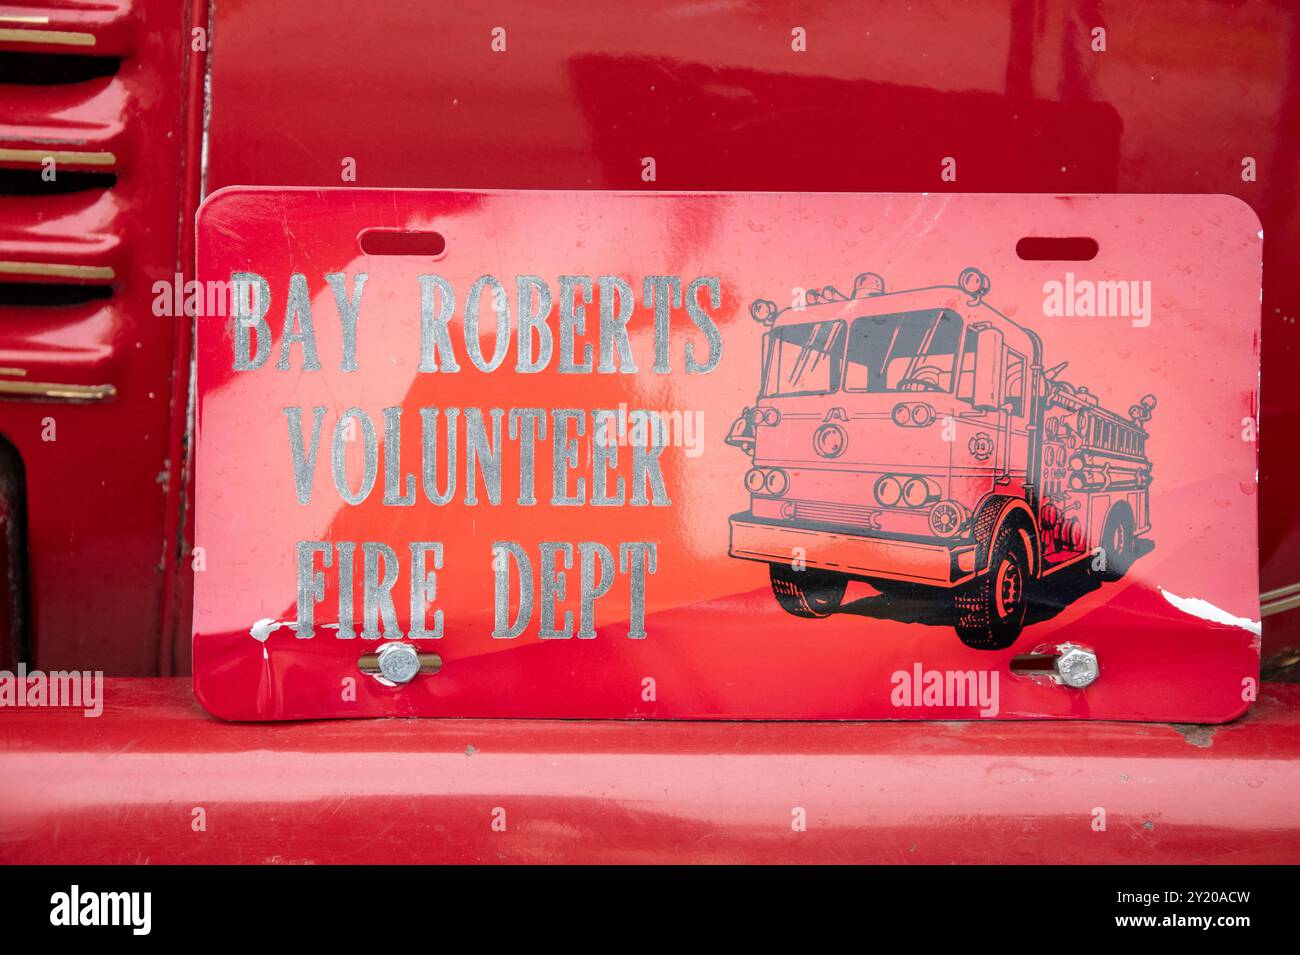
(855, 554)
(129, 787)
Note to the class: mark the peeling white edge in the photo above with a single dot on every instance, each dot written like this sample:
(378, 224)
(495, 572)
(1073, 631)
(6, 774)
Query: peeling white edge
(1207, 611)
(262, 629)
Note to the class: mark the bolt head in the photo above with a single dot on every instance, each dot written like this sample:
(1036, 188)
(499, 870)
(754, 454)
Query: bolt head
(1076, 667)
(398, 662)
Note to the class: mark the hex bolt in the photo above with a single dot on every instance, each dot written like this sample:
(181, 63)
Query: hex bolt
(1076, 667)
(398, 662)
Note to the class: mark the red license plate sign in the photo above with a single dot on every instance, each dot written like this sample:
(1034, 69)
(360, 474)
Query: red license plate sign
(739, 456)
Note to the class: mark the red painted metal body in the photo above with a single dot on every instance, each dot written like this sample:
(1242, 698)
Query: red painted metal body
(718, 96)
(125, 787)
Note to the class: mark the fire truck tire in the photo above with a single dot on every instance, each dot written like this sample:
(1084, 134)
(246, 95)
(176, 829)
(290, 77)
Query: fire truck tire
(807, 593)
(991, 609)
(1117, 542)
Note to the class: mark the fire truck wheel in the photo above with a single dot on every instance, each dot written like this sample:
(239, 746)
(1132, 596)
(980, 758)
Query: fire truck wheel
(991, 609)
(807, 593)
(1117, 543)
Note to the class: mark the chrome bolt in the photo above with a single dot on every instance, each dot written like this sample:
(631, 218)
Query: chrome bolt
(1076, 667)
(398, 662)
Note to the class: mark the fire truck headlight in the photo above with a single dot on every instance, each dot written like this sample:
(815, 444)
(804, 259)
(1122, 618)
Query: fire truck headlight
(974, 283)
(754, 480)
(947, 518)
(830, 440)
(889, 491)
(766, 416)
(915, 415)
(777, 483)
(918, 492)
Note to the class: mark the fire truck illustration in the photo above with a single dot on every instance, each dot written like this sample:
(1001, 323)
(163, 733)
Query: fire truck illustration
(915, 441)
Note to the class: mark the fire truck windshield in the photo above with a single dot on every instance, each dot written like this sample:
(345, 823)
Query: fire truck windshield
(900, 352)
(906, 351)
(804, 359)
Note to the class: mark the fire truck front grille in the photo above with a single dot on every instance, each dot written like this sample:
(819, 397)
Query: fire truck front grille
(831, 513)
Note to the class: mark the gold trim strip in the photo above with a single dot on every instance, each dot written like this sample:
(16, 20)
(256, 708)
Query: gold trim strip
(57, 270)
(1277, 606)
(69, 157)
(1280, 592)
(14, 18)
(54, 391)
(60, 37)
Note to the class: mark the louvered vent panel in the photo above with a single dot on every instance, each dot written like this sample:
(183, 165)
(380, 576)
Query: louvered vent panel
(64, 146)
(101, 93)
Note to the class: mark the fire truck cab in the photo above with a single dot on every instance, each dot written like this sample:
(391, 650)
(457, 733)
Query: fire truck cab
(913, 440)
